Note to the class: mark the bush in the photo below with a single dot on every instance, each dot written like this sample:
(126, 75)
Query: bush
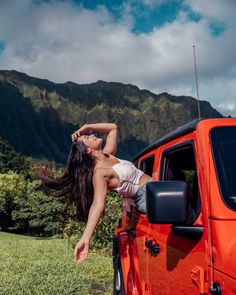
(12, 186)
(41, 213)
(103, 234)
(25, 208)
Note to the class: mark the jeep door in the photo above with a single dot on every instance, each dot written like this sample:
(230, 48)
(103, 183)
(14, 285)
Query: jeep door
(179, 267)
(146, 164)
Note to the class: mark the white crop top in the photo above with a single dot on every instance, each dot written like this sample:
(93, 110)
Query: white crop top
(129, 178)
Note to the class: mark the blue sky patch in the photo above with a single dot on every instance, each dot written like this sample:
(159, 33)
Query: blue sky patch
(92, 4)
(145, 17)
(217, 28)
(2, 46)
(193, 16)
(156, 16)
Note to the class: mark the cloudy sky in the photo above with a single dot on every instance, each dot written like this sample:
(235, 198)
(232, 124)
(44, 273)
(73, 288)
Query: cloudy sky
(148, 43)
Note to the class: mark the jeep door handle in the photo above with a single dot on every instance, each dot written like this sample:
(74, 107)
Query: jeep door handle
(153, 249)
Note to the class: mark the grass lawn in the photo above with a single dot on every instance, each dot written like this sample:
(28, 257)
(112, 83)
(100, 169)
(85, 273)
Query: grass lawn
(45, 266)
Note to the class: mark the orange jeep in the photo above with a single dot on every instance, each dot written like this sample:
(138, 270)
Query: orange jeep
(186, 241)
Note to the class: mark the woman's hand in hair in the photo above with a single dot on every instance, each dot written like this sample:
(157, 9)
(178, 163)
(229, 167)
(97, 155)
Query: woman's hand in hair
(79, 132)
(81, 251)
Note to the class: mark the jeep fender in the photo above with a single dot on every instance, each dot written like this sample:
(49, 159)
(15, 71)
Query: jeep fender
(122, 246)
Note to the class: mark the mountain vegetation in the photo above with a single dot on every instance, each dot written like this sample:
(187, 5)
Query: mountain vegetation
(37, 116)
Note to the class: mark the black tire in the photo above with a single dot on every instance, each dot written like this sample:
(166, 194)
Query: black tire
(119, 288)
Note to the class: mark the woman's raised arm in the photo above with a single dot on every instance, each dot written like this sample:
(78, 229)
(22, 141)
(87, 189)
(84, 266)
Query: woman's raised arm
(95, 212)
(109, 128)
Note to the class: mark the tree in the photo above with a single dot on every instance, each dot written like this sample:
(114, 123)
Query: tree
(12, 186)
(10, 160)
(38, 213)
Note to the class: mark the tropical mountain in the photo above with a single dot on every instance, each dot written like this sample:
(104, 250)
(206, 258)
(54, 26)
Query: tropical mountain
(37, 116)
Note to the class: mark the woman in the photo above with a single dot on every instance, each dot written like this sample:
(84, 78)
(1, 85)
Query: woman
(91, 172)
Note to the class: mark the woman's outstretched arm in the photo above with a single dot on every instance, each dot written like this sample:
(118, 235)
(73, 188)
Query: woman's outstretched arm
(109, 128)
(95, 212)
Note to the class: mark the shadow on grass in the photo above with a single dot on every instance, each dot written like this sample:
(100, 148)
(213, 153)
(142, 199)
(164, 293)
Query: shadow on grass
(100, 288)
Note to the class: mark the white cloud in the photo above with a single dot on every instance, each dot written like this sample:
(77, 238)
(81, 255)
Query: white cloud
(152, 3)
(214, 10)
(61, 41)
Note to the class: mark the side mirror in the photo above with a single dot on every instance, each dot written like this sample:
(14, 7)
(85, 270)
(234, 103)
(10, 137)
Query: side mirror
(166, 202)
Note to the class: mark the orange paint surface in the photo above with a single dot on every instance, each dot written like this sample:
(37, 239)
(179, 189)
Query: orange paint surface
(184, 265)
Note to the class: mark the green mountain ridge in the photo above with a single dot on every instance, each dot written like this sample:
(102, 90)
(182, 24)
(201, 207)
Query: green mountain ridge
(37, 116)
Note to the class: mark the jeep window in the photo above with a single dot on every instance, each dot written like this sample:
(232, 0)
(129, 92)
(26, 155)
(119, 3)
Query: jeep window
(179, 164)
(146, 165)
(223, 140)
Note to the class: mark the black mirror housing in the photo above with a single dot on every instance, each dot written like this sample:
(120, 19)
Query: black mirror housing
(166, 202)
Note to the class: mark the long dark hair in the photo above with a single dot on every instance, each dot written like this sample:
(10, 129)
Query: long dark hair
(76, 182)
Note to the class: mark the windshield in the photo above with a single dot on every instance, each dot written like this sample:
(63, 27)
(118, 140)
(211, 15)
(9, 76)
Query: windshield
(223, 140)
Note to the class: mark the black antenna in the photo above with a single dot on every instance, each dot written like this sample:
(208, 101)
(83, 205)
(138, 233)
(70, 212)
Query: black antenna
(195, 67)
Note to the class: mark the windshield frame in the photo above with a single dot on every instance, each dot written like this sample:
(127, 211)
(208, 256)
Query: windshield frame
(216, 165)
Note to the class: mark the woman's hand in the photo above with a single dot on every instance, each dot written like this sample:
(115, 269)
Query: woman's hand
(81, 251)
(79, 132)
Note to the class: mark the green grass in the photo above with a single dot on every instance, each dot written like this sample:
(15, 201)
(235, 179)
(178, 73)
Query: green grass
(45, 266)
